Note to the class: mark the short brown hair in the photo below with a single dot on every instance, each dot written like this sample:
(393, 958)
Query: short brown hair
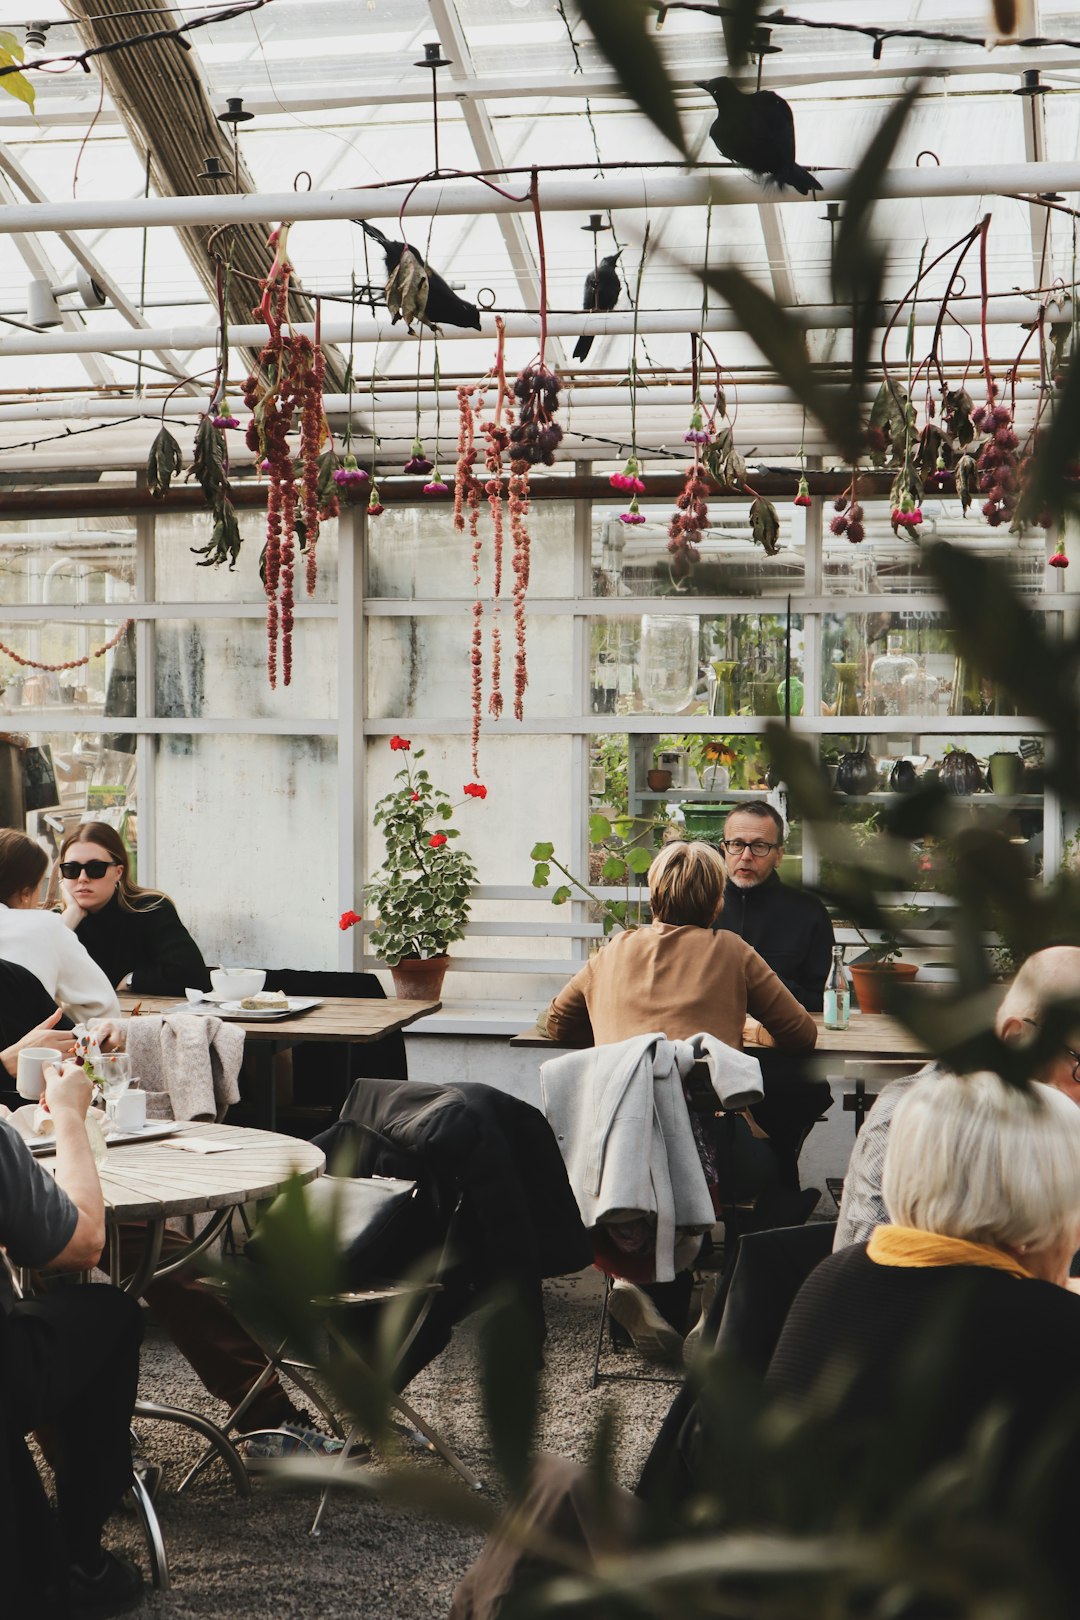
(686, 884)
(22, 863)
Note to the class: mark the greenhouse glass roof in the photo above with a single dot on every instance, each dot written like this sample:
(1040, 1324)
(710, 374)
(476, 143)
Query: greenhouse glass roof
(339, 104)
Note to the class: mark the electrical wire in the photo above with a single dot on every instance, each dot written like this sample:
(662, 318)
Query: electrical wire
(83, 58)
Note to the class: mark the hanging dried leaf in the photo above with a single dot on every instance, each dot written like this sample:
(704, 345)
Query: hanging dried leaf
(164, 461)
(956, 409)
(225, 540)
(407, 290)
(892, 415)
(209, 462)
(623, 35)
(966, 475)
(765, 525)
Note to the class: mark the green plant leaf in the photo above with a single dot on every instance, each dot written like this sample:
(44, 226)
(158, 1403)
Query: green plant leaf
(541, 875)
(613, 869)
(599, 829)
(542, 852)
(620, 29)
(739, 22)
(639, 860)
(562, 894)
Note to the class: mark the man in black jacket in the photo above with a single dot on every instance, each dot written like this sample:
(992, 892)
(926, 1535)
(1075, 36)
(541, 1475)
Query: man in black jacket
(788, 927)
(792, 931)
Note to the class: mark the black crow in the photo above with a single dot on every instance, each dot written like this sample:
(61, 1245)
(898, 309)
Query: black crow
(756, 131)
(602, 290)
(442, 306)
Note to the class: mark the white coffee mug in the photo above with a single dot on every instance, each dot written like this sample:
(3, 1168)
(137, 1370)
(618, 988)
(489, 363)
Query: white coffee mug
(129, 1111)
(29, 1082)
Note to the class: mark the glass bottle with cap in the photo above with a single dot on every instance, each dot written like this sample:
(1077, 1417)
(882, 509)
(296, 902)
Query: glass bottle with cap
(837, 994)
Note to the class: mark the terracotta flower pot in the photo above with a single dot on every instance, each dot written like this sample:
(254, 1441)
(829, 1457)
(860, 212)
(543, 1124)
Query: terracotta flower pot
(419, 978)
(659, 780)
(871, 978)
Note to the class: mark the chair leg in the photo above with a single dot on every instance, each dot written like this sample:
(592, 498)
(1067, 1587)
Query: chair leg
(434, 1438)
(600, 1333)
(209, 1431)
(155, 1541)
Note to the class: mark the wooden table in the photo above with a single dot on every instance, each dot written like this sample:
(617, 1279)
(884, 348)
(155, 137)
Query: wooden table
(339, 1018)
(869, 1036)
(147, 1183)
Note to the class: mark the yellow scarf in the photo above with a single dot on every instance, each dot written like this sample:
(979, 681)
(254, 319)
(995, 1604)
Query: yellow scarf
(905, 1246)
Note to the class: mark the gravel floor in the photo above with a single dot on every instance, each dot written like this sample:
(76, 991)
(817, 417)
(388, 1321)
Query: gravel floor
(255, 1560)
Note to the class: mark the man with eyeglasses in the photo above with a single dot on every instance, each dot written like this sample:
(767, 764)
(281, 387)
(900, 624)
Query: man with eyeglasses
(788, 927)
(1047, 976)
(791, 930)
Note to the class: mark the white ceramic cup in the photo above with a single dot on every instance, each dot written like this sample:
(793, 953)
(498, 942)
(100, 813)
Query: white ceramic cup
(129, 1111)
(237, 982)
(29, 1082)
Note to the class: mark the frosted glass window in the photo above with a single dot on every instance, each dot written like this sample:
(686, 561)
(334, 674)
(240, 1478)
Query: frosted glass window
(215, 669)
(247, 845)
(421, 666)
(180, 579)
(68, 562)
(101, 688)
(633, 560)
(414, 551)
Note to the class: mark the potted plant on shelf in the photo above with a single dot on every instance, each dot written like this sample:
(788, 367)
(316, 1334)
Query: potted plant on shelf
(872, 979)
(421, 893)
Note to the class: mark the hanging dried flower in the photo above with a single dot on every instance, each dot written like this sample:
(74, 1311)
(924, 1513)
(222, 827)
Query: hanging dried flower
(1059, 559)
(350, 473)
(634, 515)
(803, 498)
(697, 433)
(629, 479)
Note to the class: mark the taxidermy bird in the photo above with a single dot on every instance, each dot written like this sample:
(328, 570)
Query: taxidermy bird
(756, 131)
(602, 290)
(416, 292)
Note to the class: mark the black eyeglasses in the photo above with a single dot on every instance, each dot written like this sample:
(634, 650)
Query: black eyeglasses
(93, 869)
(758, 848)
(1067, 1049)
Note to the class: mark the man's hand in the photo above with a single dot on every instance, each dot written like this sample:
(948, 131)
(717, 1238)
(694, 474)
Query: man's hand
(61, 1040)
(67, 1097)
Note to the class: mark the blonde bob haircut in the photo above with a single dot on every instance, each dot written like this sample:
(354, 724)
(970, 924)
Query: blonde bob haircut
(970, 1157)
(686, 885)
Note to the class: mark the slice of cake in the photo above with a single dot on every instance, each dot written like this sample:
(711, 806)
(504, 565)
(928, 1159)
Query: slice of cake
(265, 1001)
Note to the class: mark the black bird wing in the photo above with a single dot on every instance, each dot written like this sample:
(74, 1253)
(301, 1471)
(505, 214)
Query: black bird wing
(602, 289)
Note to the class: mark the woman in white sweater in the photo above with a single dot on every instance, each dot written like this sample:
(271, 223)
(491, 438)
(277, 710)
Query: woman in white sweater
(38, 940)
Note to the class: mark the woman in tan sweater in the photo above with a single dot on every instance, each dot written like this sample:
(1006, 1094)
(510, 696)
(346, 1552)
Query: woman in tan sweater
(676, 975)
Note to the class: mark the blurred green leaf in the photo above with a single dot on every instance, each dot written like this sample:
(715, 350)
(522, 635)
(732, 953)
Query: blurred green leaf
(599, 829)
(613, 869)
(624, 35)
(639, 860)
(740, 22)
(542, 852)
(562, 895)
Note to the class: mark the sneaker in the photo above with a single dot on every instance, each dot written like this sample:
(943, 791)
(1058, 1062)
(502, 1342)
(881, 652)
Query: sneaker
(651, 1336)
(290, 1440)
(116, 1588)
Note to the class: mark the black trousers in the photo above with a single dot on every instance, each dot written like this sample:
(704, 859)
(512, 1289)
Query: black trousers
(72, 1371)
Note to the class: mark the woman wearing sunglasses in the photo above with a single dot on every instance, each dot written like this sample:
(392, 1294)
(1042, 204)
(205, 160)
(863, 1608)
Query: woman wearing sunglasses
(125, 928)
(38, 941)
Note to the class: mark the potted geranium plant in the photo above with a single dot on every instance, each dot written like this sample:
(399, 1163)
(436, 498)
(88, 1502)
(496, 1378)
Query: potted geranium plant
(421, 893)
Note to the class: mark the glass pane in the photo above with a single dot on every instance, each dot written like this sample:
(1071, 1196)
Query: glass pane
(177, 535)
(103, 686)
(727, 665)
(421, 666)
(900, 664)
(414, 551)
(64, 777)
(70, 562)
(215, 669)
(247, 845)
(634, 560)
(886, 564)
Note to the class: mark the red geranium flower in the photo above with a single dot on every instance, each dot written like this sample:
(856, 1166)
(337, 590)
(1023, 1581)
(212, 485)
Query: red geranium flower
(399, 743)
(348, 919)
(414, 797)
(475, 790)
(437, 840)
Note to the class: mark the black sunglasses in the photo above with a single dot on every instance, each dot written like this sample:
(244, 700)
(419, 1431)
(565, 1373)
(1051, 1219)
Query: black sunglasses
(1066, 1049)
(93, 869)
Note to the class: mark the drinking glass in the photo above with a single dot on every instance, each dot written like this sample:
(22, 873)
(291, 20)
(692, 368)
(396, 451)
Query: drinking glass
(113, 1073)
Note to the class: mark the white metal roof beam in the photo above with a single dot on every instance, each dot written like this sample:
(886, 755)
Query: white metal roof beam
(877, 78)
(644, 189)
(488, 156)
(1009, 311)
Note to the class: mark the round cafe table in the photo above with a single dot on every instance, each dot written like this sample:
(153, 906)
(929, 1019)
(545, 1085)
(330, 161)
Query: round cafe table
(150, 1182)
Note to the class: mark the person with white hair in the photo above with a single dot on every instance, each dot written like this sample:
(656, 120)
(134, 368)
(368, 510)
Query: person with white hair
(960, 1308)
(1047, 976)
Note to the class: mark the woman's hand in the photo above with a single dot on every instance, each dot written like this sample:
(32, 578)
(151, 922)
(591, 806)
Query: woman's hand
(45, 1034)
(110, 1033)
(72, 914)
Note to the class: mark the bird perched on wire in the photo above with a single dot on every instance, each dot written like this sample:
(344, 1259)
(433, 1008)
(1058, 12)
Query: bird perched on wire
(416, 292)
(756, 131)
(602, 290)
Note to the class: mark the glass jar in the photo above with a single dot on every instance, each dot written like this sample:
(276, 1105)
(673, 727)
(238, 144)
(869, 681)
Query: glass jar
(669, 660)
(887, 673)
(846, 690)
(919, 693)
